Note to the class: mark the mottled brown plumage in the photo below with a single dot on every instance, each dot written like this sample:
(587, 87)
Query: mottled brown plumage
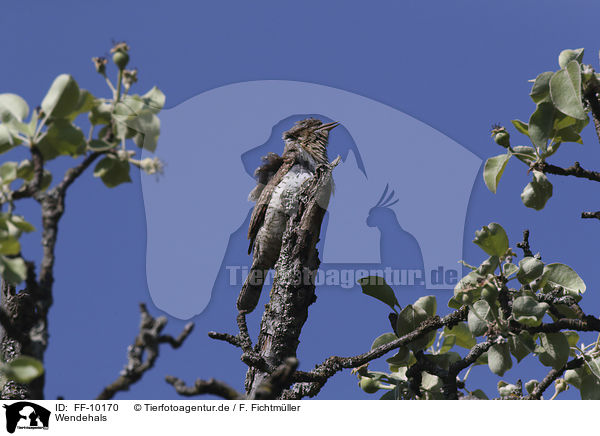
(278, 181)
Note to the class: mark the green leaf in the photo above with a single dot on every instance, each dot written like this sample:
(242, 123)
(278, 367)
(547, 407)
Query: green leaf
(20, 223)
(568, 134)
(154, 99)
(468, 289)
(478, 393)
(537, 192)
(10, 245)
(492, 239)
(590, 388)
(463, 335)
(521, 127)
(562, 121)
(100, 113)
(62, 97)
(394, 394)
(13, 270)
(508, 269)
(572, 337)
(25, 170)
(112, 171)
(430, 382)
(409, 319)
(540, 90)
(499, 360)
(575, 376)
(493, 169)
(454, 303)
(528, 311)
(541, 124)
(376, 287)
(383, 339)
(444, 360)
(8, 172)
(448, 343)
(565, 91)
(508, 390)
(524, 154)
(401, 358)
(12, 106)
(566, 56)
(428, 304)
(7, 140)
(99, 145)
(555, 348)
(479, 317)
(530, 269)
(85, 103)
(23, 369)
(148, 128)
(531, 385)
(558, 274)
(521, 346)
(488, 266)
(482, 360)
(62, 138)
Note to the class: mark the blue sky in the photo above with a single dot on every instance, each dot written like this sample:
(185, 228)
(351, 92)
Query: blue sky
(457, 66)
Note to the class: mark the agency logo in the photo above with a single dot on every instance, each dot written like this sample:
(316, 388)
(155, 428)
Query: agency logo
(25, 415)
(400, 200)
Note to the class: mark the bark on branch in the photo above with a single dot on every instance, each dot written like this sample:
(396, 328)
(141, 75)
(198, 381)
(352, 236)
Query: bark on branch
(144, 351)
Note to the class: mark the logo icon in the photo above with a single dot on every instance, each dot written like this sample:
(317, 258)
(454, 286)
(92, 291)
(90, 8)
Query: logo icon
(26, 415)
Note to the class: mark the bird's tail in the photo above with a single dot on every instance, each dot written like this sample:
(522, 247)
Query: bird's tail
(250, 293)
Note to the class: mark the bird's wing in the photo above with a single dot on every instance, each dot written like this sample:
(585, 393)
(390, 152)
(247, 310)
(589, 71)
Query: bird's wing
(260, 209)
(271, 164)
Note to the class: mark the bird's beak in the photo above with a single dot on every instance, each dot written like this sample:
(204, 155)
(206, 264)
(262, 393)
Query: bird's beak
(329, 126)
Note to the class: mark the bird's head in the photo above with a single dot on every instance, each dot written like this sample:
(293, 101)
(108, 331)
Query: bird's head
(312, 135)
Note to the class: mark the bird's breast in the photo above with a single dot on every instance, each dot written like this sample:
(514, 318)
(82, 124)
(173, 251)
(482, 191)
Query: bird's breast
(285, 196)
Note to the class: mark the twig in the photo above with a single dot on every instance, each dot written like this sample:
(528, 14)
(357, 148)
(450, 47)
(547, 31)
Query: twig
(591, 215)
(591, 97)
(575, 170)
(225, 337)
(212, 386)
(244, 337)
(269, 389)
(146, 344)
(551, 376)
(524, 245)
(450, 387)
(72, 173)
(587, 324)
(280, 379)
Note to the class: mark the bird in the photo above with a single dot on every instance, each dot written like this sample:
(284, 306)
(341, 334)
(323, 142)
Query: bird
(279, 179)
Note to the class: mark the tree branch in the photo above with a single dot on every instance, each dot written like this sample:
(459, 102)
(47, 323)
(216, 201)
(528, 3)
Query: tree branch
(591, 96)
(591, 215)
(588, 324)
(226, 337)
(146, 344)
(269, 389)
(72, 173)
(551, 376)
(212, 386)
(334, 364)
(575, 170)
(524, 245)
